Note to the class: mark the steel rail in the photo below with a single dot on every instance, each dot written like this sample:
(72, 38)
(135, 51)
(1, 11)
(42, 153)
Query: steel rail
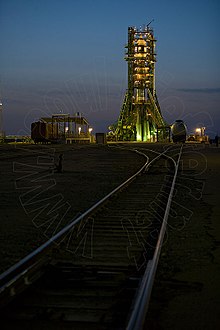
(20, 270)
(137, 318)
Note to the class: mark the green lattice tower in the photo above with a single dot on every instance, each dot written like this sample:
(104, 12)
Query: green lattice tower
(140, 115)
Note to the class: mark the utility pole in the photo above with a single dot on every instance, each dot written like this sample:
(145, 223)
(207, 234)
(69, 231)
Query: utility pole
(1, 122)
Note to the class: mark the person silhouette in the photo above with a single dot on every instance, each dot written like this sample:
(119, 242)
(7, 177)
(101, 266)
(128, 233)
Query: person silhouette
(59, 167)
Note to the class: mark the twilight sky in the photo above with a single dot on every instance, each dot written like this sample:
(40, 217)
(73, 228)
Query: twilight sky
(67, 55)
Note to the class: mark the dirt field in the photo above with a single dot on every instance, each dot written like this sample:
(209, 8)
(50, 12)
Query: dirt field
(29, 185)
(34, 200)
(186, 294)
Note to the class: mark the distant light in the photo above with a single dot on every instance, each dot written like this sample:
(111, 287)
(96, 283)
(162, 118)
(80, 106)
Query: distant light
(90, 130)
(201, 130)
(79, 129)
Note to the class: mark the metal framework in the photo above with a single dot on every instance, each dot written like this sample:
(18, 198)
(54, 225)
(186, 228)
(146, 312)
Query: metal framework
(61, 127)
(65, 126)
(140, 118)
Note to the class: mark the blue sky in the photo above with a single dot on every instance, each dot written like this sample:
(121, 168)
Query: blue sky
(67, 55)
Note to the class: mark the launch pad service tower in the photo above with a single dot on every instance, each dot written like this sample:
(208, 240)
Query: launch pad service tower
(140, 118)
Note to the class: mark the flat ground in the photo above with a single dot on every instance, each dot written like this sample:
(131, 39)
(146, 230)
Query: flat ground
(186, 294)
(28, 185)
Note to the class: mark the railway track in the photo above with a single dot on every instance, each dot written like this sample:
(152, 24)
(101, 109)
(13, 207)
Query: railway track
(98, 271)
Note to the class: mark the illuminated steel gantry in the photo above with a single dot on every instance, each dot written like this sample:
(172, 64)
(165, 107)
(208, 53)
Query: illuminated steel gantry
(140, 117)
